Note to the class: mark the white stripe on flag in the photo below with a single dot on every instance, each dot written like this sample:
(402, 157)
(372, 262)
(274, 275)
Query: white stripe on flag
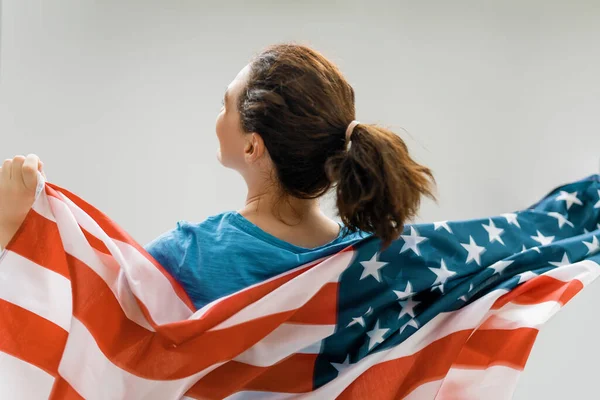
(75, 244)
(513, 316)
(42, 207)
(140, 273)
(425, 391)
(494, 383)
(585, 271)
(285, 340)
(36, 289)
(25, 381)
(255, 395)
(314, 348)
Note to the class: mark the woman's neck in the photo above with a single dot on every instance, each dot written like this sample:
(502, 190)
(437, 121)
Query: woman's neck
(297, 221)
(288, 209)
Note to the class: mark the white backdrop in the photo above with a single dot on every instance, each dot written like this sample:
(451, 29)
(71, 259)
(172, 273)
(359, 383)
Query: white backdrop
(501, 99)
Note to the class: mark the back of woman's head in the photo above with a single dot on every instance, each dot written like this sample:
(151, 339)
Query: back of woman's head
(300, 104)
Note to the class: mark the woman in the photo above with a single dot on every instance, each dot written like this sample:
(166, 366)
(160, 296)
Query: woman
(288, 127)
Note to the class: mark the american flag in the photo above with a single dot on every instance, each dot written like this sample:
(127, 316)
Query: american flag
(450, 310)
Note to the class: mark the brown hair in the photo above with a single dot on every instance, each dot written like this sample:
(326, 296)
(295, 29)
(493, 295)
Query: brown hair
(301, 105)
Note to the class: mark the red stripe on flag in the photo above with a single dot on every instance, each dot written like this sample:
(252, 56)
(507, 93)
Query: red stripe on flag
(39, 241)
(37, 341)
(506, 347)
(293, 375)
(116, 233)
(63, 391)
(95, 242)
(541, 289)
(321, 309)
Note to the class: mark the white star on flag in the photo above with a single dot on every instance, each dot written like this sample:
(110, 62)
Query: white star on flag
(436, 287)
(543, 240)
(360, 320)
(561, 219)
(403, 294)
(493, 231)
(376, 335)
(563, 262)
(593, 247)
(408, 307)
(412, 241)
(372, 267)
(442, 224)
(533, 248)
(511, 218)
(441, 275)
(525, 276)
(341, 367)
(474, 250)
(357, 320)
(570, 198)
(412, 323)
(597, 205)
(500, 266)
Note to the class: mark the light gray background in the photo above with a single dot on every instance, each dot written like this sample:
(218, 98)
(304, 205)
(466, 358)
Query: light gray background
(501, 99)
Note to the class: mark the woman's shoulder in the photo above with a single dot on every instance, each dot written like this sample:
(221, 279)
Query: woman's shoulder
(185, 228)
(170, 247)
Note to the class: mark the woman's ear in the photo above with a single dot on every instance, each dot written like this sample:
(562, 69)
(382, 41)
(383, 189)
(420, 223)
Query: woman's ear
(254, 148)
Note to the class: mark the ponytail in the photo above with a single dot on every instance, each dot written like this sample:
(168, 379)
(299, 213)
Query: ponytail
(378, 185)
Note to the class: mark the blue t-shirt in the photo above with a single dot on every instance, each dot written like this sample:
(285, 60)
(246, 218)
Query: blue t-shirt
(227, 253)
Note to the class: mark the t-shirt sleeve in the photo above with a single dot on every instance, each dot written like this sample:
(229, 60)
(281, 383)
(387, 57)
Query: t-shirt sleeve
(168, 250)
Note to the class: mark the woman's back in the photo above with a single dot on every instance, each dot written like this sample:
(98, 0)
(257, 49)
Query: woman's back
(227, 253)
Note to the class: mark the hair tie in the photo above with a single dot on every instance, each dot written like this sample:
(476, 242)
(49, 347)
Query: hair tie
(350, 129)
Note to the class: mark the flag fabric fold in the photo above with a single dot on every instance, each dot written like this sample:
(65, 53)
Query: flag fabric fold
(450, 310)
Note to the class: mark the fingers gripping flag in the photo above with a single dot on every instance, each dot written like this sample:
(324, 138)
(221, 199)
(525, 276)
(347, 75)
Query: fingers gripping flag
(449, 310)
